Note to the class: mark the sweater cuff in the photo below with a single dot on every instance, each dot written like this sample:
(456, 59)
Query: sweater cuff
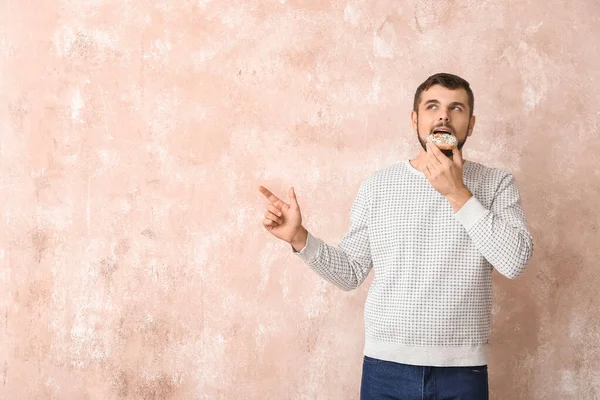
(309, 252)
(470, 213)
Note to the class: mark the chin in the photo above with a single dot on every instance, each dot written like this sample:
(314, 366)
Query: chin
(447, 153)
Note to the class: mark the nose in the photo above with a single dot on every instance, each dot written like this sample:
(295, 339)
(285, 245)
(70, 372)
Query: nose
(444, 116)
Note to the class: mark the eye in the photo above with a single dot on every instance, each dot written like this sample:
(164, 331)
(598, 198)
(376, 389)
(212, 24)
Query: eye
(431, 107)
(457, 108)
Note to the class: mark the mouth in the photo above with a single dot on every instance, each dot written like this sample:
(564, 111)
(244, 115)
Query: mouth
(443, 130)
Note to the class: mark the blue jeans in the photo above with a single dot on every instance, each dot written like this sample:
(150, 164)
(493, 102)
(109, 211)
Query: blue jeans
(393, 381)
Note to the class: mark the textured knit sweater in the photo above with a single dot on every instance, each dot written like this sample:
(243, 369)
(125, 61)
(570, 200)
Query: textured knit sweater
(430, 300)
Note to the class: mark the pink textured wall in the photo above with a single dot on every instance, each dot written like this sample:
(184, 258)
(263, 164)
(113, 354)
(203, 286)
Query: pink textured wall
(133, 264)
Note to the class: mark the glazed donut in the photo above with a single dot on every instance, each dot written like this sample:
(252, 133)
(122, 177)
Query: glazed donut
(444, 141)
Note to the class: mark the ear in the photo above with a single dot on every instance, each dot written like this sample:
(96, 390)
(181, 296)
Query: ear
(471, 126)
(413, 120)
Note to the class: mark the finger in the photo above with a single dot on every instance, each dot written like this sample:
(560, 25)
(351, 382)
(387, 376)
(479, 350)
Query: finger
(269, 215)
(436, 154)
(430, 151)
(267, 223)
(431, 161)
(274, 210)
(269, 195)
(293, 199)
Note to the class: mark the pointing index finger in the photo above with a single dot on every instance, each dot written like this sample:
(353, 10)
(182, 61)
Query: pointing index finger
(269, 195)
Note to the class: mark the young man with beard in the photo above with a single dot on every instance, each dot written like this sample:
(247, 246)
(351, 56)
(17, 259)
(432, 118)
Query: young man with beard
(433, 228)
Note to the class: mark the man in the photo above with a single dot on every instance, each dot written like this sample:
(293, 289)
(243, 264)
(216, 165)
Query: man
(433, 228)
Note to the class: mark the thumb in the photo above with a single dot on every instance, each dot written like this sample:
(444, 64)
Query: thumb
(457, 157)
(293, 199)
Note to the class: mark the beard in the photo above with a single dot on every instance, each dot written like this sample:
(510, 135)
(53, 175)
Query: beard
(447, 153)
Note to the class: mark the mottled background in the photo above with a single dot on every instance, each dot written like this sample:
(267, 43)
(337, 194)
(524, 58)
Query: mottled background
(133, 263)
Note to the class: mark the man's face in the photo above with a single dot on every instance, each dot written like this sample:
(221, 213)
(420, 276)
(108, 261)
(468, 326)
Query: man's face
(439, 107)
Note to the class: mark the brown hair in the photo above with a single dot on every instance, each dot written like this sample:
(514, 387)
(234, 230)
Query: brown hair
(448, 81)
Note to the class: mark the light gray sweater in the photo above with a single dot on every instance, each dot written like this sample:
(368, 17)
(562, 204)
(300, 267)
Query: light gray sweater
(430, 300)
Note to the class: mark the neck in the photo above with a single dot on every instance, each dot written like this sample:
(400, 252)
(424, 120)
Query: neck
(420, 160)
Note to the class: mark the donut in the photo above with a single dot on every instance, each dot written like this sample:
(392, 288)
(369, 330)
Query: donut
(444, 141)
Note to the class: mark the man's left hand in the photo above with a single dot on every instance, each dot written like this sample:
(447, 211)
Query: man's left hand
(446, 175)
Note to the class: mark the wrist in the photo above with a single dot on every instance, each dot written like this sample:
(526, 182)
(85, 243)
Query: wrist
(458, 198)
(298, 242)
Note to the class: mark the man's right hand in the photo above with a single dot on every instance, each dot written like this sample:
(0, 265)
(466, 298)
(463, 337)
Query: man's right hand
(284, 220)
